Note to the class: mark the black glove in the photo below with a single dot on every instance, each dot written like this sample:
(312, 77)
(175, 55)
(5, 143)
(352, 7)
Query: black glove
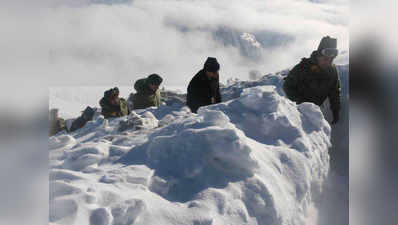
(336, 117)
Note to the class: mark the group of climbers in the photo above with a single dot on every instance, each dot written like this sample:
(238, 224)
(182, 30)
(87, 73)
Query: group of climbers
(314, 80)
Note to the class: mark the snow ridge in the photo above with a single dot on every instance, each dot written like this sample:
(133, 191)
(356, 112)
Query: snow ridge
(256, 158)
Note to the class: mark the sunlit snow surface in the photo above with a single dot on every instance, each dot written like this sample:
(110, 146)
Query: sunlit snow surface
(256, 158)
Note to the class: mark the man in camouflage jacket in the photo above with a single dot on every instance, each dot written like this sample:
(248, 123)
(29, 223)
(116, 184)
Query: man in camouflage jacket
(314, 79)
(148, 93)
(112, 105)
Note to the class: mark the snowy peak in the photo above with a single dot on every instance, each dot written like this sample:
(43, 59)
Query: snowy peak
(251, 39)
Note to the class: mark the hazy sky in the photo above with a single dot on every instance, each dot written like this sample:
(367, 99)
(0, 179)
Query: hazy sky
(78, 42)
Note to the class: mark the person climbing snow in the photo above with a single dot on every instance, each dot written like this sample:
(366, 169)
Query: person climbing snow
(86, 116)
(148, 93)
(112, 105)
(316, 78)
(204, 88)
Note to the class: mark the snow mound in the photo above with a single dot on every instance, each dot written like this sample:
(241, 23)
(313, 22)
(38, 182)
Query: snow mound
(257, 158)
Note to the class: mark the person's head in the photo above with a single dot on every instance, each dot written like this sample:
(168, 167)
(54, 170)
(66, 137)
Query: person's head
(153, 81)
(211, 68)
(326, 52)
(114, 96)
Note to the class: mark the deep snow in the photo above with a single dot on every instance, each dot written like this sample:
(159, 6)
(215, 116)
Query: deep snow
(256, 158)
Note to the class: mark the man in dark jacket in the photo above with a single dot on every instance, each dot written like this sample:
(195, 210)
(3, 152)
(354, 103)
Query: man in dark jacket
(112, 105)
(204, 88)
(314, 79)
(148, 93)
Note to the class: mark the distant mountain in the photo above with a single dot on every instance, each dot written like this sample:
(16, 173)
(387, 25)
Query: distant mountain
(251, 44)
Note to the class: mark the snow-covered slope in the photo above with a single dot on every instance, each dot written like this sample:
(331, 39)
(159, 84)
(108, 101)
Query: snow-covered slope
(256, 158)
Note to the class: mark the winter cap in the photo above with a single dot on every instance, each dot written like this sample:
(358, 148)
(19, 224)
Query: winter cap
(154, 79)
(211, 65)
(328, 47)
(111, 92)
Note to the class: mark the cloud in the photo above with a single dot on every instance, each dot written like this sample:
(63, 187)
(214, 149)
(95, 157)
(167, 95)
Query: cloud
(83, 42)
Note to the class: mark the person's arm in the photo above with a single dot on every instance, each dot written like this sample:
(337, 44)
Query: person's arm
(290, 85)
(334, 98)
(158, 98)
(124, 109)
(218, 94)
(215, 91)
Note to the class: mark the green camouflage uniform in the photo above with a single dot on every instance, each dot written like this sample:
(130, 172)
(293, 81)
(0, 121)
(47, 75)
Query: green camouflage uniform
(307, 82)
(145, 97)
(108, 110)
